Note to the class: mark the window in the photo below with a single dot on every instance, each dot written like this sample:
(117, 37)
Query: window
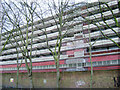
(108, 62)
(39, 67)
(79, 64)
(60, 66)
(88, 64)
(67, 65)
(44, 67)
(83, 64)
(94, 63)
(74, 65)
(114, 62)
(35, 67)
(99, 63)
(118, 61)
(64, 53)
(104, 62)
(70, 65)
(53, 66)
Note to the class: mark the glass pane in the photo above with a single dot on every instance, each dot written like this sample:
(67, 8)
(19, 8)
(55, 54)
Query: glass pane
(108, 62)
(64, 65)
(94, 63)
(88, 64)
(82, 64)
(74, 65)
(114, 62)
(118, 61)
(79, 64)
(70, 65)
(104, 62)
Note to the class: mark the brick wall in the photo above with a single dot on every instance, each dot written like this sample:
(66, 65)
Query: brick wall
(101, 79)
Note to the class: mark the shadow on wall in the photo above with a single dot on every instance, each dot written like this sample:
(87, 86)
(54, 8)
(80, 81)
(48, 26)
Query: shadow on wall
(117, 80)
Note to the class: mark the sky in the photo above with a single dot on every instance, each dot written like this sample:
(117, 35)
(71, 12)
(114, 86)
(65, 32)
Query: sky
(42, 2)
(76, 1)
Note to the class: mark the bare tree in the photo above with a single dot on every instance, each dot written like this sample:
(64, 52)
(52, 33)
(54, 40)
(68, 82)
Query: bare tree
(60, 19)
(19, 39)
(104, 6)
(100, 23)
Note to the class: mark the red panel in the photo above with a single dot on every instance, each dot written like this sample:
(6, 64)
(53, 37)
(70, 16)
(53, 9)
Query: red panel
(47, 63)
(105, 58)
(47, 70)
(35, 64)
(104, 68)
(25, 71)
(6, 66)
(71, 52)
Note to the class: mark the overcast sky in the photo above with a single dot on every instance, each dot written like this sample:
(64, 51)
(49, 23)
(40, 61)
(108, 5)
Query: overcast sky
(44, 6)
(76, 1)
(43, 3)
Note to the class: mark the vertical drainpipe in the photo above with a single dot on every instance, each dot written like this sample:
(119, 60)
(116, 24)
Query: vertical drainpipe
(85, 15)
(0, 43)
(0, 24)
(118, 4)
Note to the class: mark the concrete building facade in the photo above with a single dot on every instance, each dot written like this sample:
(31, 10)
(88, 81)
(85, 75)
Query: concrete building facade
(75, 48)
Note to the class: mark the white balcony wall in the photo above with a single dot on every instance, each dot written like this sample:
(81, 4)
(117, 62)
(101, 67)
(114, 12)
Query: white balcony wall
(106, 32)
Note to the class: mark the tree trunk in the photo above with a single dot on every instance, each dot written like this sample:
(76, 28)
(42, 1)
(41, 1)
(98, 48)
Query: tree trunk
(17, 77)
(58, 74)
(91, 81)
(17, 71)
(31, 81)
(58, 78)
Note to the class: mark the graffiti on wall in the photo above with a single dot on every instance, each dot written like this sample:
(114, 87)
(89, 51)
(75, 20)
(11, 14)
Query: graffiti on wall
(79, 83)
(44, 81)
(116, 81)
